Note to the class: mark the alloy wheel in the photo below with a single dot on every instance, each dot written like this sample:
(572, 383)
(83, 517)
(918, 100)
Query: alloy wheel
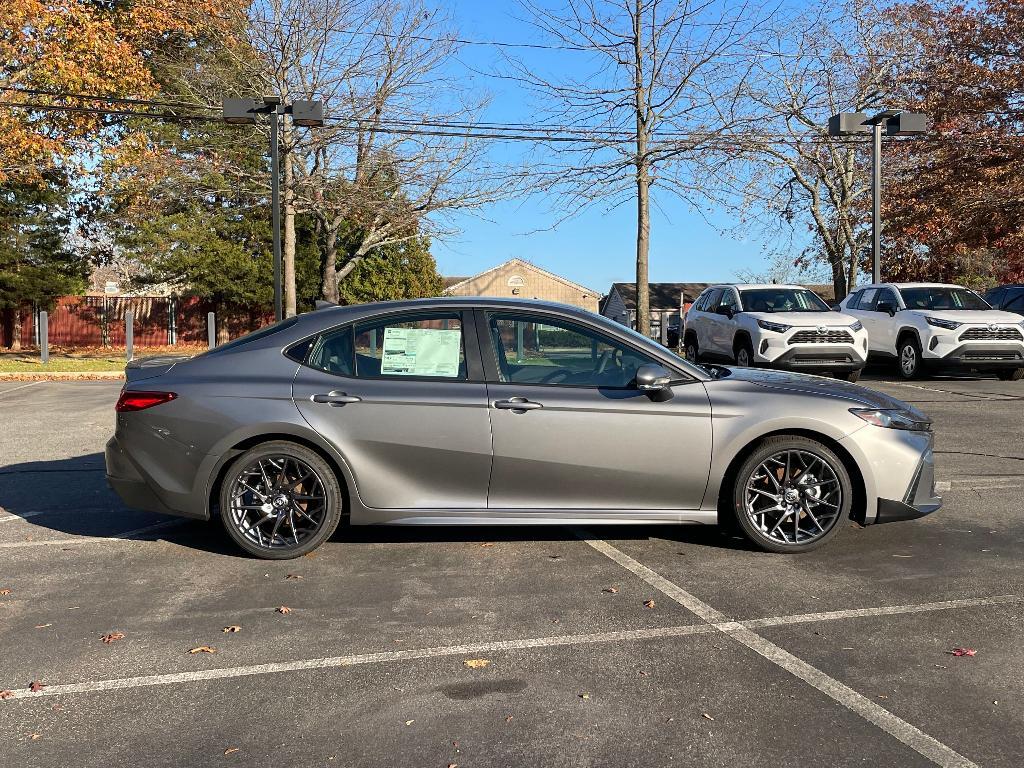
(793, 497)
(908, 360)
(742, 357)
(278, 502)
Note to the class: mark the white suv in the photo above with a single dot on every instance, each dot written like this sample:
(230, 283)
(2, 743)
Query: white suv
(933, 325)
(782, 326)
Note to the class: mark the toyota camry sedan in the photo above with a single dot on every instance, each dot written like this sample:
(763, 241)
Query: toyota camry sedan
(470, 411)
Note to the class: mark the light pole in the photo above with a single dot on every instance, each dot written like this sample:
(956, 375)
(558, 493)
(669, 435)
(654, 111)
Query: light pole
(896, 123)
(309, 114)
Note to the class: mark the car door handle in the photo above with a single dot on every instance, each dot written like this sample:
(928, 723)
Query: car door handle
(335, 398)
(517, 404)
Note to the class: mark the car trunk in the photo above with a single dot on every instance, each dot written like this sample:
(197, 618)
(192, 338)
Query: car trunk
(151, 367)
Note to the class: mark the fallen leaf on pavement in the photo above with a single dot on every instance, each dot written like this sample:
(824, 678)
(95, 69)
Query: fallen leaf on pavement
(36, 686)
(476, 663)
(292, 577)
(409, 722)
(284, 609)
(202, 649)
(584, 695)
(962, 652)
(112, 637)
(611, 590)
(231, 750)
(706, 716)
(5, 592)
(43, 626)
(311, 555)
(6, 694)
(509, 718)
(554, 557)
(232, 628)
(487, 544)
(35, 737)
(453, 765)
(648, 603)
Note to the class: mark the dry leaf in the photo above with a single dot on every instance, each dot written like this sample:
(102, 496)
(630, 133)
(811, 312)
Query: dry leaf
(487, 544)
(35, 737)
(453, 765)
(648, 603)
(962, 652)
(409, 722)
(43, 626)
(232, 628)
(36, 686)
(707, 716)
(584, 695)
(6, 694)
(113, 637)
(5, 592)
(311, 555)
(476, 663)
(284, 609)
(230, 750)
(292, 577)
(611, 590)
(508, 719)
(202, 649)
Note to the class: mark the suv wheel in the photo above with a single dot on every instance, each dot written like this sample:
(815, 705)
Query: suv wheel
(909, 356)
(743, 353)
(1011, 374)
(850, 376)
(691, 349)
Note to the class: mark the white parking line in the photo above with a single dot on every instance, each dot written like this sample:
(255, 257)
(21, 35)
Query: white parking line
(78, 541)
(900, 729)
(21, 516)
(497, 645)
(23, 386)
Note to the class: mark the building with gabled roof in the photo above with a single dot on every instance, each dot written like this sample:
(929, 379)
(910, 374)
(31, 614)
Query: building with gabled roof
(518, 277)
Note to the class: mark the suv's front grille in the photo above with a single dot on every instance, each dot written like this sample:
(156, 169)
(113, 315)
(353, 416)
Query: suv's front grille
(831, 336)
(990, 356)
(989, 334)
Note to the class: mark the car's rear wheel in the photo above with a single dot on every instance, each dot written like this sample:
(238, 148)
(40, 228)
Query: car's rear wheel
(1011, 374)
(909, 355)
(792, 494)
(280, 500)
(850, 376)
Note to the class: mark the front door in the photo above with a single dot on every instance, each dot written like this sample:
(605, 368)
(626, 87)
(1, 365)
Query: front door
(405, 406)
(570, 431)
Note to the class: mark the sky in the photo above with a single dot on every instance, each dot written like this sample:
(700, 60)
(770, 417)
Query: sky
(595, 248)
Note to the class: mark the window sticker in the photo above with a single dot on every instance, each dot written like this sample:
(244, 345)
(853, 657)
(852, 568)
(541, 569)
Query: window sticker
(420, 352)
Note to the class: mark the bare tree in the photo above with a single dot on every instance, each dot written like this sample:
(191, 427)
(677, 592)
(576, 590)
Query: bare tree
(785, 171)
(660, 86)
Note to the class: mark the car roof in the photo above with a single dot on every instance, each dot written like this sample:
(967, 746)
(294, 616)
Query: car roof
(909, 285)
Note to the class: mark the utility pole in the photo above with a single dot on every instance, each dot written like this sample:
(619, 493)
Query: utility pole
(895, 123)
(308, 114)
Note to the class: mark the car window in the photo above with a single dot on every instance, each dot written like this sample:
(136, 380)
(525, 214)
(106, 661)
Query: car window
(538, 349)
(853, 299)
(886, 296)
(332, 352)
(260, 333)
(1016, 303)
(711, 300)
(995, 296)
(867, 299)
(782, 300)
(729, 300)
(426, 344)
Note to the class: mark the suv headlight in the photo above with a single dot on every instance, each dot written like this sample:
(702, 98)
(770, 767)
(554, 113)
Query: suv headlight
(775, 327)
(949, 325)
(892, 418)
(857, 325)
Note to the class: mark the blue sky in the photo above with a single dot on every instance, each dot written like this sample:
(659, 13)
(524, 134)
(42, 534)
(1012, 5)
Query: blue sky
(595, 248)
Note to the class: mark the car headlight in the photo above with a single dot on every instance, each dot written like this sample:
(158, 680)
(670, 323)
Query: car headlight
(892, 418)
(949, 325)
(857, 326)
(776, 327)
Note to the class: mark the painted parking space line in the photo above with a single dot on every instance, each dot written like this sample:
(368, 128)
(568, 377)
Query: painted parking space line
(656, 633)
(925, 745)
(23, 386)
(22, 516)
(79, 541)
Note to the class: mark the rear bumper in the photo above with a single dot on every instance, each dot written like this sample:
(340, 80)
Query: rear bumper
(919, 500)
(127, 481)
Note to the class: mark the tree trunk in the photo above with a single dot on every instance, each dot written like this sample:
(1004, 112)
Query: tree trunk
(288, 211)
(16, 330)
(330, 276)
(223, 320)
(643, 179)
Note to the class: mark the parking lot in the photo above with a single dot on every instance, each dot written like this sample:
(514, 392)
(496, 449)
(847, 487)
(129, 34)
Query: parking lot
(422, 647)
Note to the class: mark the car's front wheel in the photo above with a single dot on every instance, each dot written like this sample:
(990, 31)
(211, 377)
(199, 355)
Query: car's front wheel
(792, 494)
(743, 353)
(1011, 374)
(909, 355)
(280, 500)
(691, 350)
(850, 376)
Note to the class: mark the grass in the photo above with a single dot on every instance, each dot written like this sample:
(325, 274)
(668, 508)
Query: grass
(81, 359)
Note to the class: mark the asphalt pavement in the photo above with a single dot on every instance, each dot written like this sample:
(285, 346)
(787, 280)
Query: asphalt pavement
(424, 647)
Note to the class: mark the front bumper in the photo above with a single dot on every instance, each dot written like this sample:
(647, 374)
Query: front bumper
(919, 500)
(946, 350)
(811, 357)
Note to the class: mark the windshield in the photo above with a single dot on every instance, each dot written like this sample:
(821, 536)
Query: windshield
(942, 298)
(782, 300)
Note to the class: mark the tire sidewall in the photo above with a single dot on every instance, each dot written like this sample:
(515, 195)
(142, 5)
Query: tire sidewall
(763, 451)
(332, 492)
(744, 346)
(912, 343)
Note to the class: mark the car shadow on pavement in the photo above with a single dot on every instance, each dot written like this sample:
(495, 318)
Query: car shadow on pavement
(71, 497)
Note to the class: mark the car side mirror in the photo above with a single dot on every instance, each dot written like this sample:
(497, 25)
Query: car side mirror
(885, 306)
(654, 381)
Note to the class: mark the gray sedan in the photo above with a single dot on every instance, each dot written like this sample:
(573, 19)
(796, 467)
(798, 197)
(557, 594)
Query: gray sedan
(487, 411)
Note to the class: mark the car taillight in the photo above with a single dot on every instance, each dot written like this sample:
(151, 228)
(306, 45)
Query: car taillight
(139, 401)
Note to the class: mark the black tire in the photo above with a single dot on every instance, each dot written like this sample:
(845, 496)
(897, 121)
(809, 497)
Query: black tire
(833, 488)
(1011, 374)
(741, 348)
(292, 483)
(908, 358)
(851, 376)
(691, 348)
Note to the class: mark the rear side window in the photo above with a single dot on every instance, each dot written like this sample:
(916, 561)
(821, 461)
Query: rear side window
(262, 333)
(1016, 302)
(867, 299)
(711, 300)
(332, 352)
(429, 345)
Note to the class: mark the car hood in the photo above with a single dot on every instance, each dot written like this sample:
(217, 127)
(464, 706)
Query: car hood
(979, 316)
(857, 396)
(805, 319)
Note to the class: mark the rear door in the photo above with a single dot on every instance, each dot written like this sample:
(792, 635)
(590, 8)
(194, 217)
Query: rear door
(705, 321)
(724, 327)
(402, 398)
(571, 431)
(872, 321)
